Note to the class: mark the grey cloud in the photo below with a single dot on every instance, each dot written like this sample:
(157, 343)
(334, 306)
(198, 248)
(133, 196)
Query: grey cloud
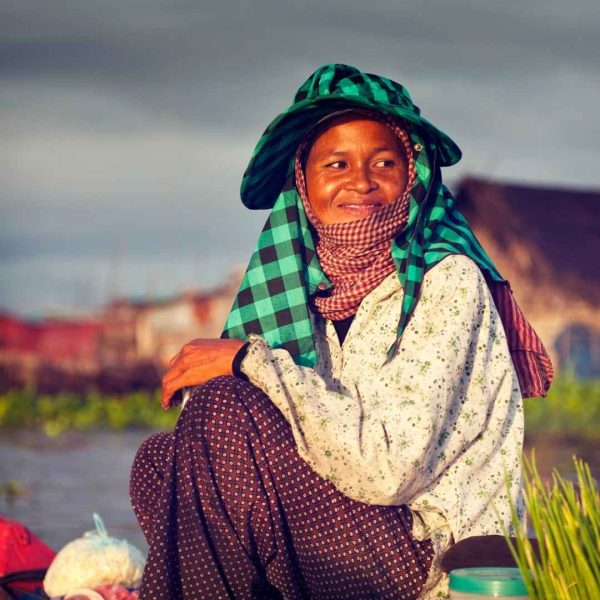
(230, 66)
(129, 123)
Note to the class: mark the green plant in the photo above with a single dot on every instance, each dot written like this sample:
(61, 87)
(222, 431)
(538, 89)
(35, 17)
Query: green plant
(571, 409)
(55, 414)
(565, 518)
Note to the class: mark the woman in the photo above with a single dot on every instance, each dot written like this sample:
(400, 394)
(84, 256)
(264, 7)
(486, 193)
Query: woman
(380, 361)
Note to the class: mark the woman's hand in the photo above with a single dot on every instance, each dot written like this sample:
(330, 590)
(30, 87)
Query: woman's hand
(197, 362)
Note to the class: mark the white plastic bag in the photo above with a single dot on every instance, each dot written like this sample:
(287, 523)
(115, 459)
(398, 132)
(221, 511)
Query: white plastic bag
(93, 560)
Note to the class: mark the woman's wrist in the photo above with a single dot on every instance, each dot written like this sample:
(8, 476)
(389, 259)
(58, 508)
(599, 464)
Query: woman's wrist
(236, 364)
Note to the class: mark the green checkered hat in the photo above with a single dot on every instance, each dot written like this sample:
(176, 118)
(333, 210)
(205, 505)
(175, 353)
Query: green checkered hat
(330, 88)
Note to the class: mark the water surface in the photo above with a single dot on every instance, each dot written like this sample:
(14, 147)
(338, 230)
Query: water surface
(65, 479)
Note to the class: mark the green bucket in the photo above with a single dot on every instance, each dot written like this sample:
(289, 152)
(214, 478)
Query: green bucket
(487, 582)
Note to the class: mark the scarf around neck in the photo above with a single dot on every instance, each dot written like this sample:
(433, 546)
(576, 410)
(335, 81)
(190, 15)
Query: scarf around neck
(284, 274)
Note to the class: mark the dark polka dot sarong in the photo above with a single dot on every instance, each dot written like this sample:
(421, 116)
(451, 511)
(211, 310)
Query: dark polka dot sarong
(230, 510)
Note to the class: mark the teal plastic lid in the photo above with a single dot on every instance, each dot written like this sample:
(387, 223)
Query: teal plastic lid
(488, 581)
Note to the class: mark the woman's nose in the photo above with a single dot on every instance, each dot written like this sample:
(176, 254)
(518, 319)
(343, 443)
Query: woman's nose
(361, 180)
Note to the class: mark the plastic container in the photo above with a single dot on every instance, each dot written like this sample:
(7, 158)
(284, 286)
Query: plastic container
(483, 583)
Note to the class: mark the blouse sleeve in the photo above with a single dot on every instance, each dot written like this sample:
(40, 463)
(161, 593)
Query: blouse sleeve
(436, 428)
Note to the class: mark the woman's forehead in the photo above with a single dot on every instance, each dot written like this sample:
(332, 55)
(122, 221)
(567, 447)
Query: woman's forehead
(345, 133)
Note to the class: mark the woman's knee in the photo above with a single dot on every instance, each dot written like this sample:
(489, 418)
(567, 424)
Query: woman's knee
(224, 403)
(219, 385)
(225, 394)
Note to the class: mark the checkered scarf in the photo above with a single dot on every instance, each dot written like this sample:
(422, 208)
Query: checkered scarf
(356, 255)
(284, 274)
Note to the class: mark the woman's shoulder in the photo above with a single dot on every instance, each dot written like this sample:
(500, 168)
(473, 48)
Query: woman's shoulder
(454, 272)
(455, 267)
(456, 275)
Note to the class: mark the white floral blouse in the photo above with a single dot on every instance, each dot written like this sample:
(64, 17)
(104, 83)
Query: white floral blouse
(438, 428)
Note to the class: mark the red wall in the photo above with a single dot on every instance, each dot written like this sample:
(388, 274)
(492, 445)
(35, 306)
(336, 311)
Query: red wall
(53, 340)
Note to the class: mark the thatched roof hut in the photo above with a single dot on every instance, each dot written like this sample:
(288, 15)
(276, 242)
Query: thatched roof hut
(546, 242)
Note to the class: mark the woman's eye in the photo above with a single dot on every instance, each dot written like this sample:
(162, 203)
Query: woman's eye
(338, 164)
(387, 162)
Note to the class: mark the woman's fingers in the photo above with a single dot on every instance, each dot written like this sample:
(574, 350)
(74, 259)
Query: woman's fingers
(180, 366)
(186, 350)
(184, 375)
(170, 375)
(186, 359)
(174, 360)
(173, 381)
(169, 387)
(166, 399)
(197, 360)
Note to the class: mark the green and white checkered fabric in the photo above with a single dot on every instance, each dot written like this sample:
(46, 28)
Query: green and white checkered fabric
(283, 273)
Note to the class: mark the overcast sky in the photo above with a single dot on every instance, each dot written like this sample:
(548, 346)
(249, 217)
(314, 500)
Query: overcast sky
(125, 125)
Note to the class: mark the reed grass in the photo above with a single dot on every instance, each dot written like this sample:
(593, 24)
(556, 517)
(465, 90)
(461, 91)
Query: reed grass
(565, 519)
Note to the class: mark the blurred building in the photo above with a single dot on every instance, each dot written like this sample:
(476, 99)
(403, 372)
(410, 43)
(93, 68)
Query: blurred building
(127, 346)
(546, 242)
(68, 341)
(156, 330)
(29, 348)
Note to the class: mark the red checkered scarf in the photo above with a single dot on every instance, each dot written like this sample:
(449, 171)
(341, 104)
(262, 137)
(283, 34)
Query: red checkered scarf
(356, 256)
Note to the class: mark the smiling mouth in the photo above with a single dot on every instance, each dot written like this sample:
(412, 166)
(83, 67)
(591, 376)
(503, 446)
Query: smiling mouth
(361, 207)
(361, 204)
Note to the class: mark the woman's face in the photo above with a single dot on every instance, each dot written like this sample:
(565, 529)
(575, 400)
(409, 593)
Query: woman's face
(354, 168)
